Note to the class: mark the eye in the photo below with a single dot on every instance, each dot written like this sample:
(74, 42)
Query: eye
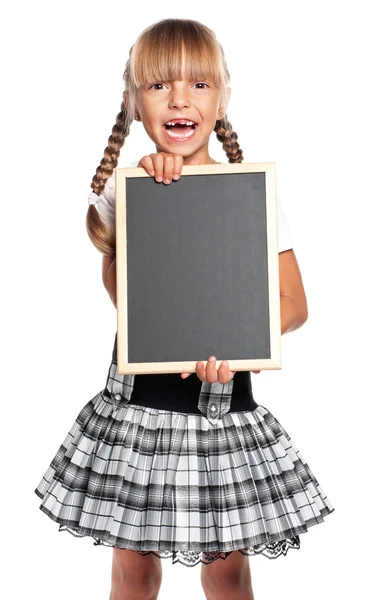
(201, 83)
(152, 86)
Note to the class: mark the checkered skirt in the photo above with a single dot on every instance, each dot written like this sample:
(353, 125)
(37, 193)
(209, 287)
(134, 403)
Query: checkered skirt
(174, 485)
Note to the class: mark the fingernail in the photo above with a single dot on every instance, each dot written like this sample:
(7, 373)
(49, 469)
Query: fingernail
(159, 178)
(166, 181)
(176, 176)
(152, 172)
(212, 358)
(223, 364)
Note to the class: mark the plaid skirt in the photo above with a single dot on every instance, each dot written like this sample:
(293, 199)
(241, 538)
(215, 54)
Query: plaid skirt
(172, 484)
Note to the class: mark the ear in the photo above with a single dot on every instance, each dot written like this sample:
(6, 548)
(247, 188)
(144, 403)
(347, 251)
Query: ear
(224, 103)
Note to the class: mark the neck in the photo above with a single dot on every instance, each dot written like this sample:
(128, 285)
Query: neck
(201, 154)
(204, 160)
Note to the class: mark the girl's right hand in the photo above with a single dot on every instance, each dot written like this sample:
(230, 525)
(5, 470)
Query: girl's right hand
(165, 167)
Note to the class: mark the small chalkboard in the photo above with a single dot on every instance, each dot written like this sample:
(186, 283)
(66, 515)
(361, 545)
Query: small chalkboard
(197, 269)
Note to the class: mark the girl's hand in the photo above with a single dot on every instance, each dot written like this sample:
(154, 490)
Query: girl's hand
(210, 374)
(165, 167)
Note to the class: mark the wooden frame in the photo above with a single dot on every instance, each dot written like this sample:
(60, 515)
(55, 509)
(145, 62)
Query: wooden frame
(124, 179)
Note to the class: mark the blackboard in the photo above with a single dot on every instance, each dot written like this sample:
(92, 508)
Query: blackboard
(197, 269)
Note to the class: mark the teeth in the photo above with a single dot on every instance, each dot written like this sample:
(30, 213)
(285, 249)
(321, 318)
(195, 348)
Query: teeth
(180, 135)
(180, 122)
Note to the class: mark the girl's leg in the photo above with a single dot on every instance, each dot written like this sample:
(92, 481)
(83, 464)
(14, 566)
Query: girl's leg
(229, 578)
(135, 576)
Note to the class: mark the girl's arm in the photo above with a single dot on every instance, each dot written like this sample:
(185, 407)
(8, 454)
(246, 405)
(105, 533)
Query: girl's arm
(109, 277)
(293, 302)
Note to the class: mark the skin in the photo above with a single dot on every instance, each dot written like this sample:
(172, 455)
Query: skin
(158, 102)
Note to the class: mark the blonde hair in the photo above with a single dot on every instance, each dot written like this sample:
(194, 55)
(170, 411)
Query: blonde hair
(157, 56)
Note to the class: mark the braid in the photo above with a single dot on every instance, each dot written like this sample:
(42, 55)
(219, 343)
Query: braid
(111, 153)
(228, 137)
(100, 235)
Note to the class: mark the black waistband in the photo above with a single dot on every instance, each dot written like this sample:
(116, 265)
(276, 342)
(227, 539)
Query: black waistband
(168, 391)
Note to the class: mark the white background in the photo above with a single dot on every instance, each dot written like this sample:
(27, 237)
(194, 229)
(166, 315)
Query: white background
(299, 78)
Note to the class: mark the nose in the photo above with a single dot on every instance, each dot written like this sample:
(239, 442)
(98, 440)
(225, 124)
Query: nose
(179, 96)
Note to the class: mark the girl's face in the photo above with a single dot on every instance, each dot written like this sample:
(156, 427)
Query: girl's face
(199, 102)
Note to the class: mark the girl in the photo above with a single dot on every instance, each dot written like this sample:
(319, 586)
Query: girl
(188, 467)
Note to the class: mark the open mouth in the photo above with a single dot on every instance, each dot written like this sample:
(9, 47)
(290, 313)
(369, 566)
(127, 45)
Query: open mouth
(180, 129)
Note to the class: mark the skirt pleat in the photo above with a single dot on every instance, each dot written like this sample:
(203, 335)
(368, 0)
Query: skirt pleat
(174, 485)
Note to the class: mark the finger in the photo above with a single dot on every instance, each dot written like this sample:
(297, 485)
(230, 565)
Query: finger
(177, 168)
(257, 372)
(158, 166)
(200, 370)
(168, 166)
(180, 161)
(147, 163)
(211, 371)
(185, 375)
(224, 374)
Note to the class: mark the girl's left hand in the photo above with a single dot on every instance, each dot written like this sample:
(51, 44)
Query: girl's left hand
(210, 374)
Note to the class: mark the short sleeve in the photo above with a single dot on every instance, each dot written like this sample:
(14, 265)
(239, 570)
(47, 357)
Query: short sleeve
(106, 206)
(285, 239)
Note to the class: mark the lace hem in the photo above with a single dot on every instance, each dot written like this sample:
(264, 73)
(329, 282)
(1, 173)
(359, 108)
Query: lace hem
(190, 558)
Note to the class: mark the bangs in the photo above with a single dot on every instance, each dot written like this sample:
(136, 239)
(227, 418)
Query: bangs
(174, 50)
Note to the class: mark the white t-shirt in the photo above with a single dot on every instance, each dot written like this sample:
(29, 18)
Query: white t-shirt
(107, 210)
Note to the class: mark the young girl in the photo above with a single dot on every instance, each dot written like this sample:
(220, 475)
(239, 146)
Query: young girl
(186, 466)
